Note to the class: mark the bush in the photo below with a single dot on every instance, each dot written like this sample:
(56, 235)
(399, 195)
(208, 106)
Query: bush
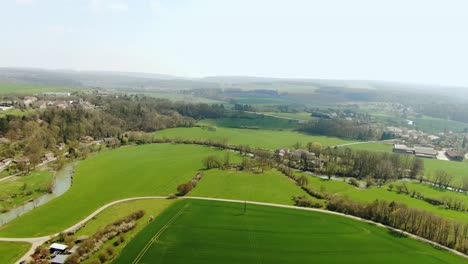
(103, 257)
(304, 202)
(110, 250)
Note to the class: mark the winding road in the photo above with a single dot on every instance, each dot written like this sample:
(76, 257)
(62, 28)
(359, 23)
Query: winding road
(37, 241)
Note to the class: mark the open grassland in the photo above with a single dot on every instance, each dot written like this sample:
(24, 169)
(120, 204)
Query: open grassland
(152, 207)
(194, 231)
(437, 125)
(458, 169)
(254, 137)
(175, 96)
(18, 190)
(380, 147)
(271, 186)
(243, 120)
(300, 116)
(10, 252)
(373, 193)
(20, 89)
(121, 173)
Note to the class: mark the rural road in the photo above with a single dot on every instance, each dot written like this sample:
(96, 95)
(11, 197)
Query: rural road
(37, 241)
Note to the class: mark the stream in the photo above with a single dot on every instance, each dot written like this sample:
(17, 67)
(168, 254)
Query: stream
(63, 182)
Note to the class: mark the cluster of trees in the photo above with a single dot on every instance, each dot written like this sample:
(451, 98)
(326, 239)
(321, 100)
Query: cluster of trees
(359, 164)
(185, 188)
(446, 232)
(243, 107)
(340, 128)
(41, 131)
(457, 112)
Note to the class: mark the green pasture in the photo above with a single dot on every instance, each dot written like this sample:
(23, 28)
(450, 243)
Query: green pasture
(19, 190)
(380, 147)
(194, 231)
(10, 252)
(243, 120)
(267, 139)
(270, 187)
(300, 116)
(27, 89)
(458, 169)
(146, 170)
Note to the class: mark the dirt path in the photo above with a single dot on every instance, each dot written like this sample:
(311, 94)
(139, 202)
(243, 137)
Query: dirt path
(36, 241)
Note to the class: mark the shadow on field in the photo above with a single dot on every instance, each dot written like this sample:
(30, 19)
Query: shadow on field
(396, 234)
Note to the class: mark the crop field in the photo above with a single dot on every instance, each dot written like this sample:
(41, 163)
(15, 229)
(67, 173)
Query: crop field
(271, 186)
(146, 170)
(254, 137)
(193, 231)
(7, 88)
(373, 193)
(12, 251)
(19, 190)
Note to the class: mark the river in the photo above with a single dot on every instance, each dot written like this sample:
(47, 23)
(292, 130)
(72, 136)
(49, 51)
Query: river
(63, 181)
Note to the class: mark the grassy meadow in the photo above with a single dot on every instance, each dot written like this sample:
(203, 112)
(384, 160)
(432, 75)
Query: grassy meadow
(271, 186)
(193, 231)
(27, 89)
(373, 193)
(145, 170)
(10, 252)
(19, 190)
(268, 139)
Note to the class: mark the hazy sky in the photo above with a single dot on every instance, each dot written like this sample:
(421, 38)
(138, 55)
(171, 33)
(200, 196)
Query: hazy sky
(400, 40)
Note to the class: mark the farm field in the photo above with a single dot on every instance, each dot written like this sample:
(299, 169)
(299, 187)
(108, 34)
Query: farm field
(7, 88)
(301, 116)
(247, 120)
(254, 137)
(152, 207)
(206, 231)
(146, 170)
(19, 190)
(271, 186)
(373, 193)
(381, 147)
(12, 251)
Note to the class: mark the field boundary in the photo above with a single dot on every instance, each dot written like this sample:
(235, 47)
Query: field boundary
(36, 241)
(159, 233)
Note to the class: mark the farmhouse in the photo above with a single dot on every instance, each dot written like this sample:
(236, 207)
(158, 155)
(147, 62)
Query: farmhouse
(301, 152)
(282, 152)
(454, 155)
(425, 152)
(56, 247)
(398, 148)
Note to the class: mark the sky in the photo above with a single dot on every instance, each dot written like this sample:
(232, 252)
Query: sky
(416, 41)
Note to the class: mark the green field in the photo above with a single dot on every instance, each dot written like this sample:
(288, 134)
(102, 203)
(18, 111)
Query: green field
(10, 252)
(194, 231)
(121, 173)
(152, 207)
(20, 89)
(373, 193)
(437, 125)
(381, 147)
(271, 186)
(24, 188)
(243, 120)
(300, 116)
(268, 139)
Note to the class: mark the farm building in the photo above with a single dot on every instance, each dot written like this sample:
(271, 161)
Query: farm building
(56, 247)
(425, 152)
(398, 148)
(301, 152)
(454, 155)
(59, 259)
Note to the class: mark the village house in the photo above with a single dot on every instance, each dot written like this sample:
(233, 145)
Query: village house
(282, 152)
(454, 155)
(4, 163)
(298, 154)
(29, 100)
(22, 160)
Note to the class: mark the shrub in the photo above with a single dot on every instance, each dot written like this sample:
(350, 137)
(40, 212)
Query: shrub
(103, 257)
(110, 250)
